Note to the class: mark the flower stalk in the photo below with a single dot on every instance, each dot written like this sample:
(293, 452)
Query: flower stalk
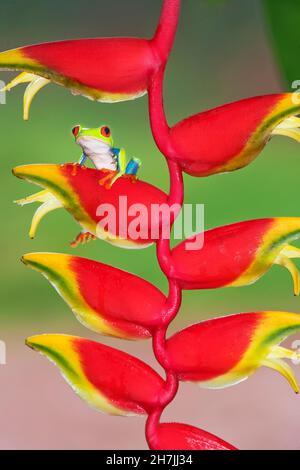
(215, 353)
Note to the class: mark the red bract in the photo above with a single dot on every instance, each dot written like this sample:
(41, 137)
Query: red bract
(105, 299)
(225, 138)
(224, 351)
(112, 214)
(178, 436)
(104, 69)
(237, 254)
(103, 376)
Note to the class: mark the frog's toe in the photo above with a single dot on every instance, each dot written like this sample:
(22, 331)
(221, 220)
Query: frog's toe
(109, 178)
(132, 178)
(82, 238)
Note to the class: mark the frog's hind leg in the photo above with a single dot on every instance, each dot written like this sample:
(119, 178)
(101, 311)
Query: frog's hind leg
(289, 127)
(36, 83)
(83, 237)
(285, 259)
(109, 179)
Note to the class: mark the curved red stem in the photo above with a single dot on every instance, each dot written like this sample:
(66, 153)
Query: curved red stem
(173, 302)
(175, 200)
(153, 420)
(158, 121)
(163, 39)
(162, 42)
(176, 192)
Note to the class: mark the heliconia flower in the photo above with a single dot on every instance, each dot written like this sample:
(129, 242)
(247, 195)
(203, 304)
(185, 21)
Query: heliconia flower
(225, 138)
(103, 69)
(224, 351)
(179, 436)
(105, 299)
(104, 377)
(237, 254)
(112, 214)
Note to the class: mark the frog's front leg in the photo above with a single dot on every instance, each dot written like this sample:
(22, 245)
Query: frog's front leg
(83, 237)
(112, 175)
(82, 159)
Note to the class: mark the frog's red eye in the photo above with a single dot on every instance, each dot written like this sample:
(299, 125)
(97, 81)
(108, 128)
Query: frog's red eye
(105, 131)
(75, 131)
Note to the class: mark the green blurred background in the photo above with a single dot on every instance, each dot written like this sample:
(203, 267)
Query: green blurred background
(223, 52)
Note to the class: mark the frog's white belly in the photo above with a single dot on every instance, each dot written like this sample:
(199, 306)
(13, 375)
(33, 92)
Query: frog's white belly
(99, 153)
(103, 161)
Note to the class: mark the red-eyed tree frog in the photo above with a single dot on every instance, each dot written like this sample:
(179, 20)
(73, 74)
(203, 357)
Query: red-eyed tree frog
(97, 145)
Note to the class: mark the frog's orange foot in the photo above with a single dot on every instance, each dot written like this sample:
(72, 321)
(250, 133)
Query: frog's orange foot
(74, 169)
(83, 237)
(107, 180)
(132, 178)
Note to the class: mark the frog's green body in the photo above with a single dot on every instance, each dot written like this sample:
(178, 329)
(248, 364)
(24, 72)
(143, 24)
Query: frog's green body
(97, 144)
